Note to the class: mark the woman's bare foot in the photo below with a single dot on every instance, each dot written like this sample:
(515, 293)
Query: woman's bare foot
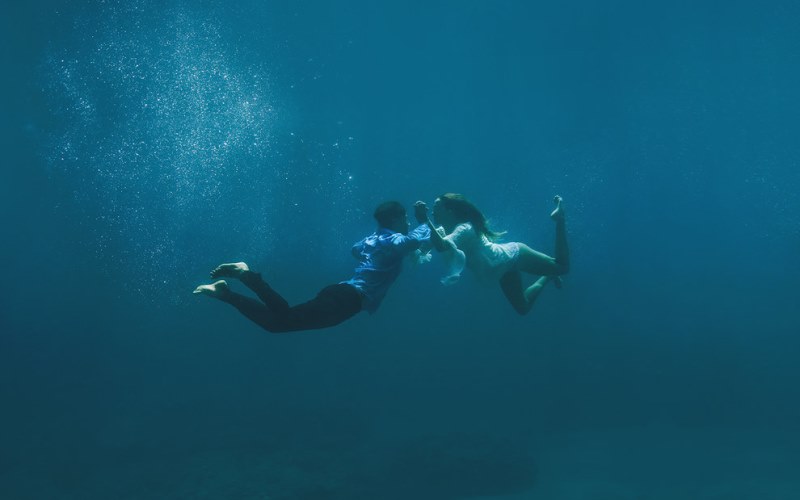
(233, 270)
(214, 290)
(558, 214)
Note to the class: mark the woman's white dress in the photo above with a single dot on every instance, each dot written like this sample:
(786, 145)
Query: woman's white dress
(487, 259)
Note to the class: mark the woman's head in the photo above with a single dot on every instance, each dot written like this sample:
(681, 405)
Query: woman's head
(452, 209)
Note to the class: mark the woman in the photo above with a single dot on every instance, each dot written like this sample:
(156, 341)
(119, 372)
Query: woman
(469, 242)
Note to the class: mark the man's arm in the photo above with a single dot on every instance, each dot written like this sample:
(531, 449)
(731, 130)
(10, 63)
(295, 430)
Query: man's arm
(412, 241)
(356, 250)
(421, 233)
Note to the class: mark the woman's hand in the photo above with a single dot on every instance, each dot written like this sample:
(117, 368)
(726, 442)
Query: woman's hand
(421, 212)
(437, 240)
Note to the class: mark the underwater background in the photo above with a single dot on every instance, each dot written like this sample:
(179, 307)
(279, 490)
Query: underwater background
(145, 142)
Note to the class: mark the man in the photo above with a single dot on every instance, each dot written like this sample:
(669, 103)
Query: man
(380, 257)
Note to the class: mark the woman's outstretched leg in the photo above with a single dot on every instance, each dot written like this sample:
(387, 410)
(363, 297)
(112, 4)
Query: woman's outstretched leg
(535, 262)
(562, 248)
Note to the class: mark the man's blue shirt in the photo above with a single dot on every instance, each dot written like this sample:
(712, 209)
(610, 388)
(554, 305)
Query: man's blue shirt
(380, 258)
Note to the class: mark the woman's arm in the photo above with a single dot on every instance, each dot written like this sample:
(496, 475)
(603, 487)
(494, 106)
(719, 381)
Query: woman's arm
(455, 260)
(421, 213)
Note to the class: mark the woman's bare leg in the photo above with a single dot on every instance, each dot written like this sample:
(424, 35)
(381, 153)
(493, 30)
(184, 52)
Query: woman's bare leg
(521, 300)
(562, 248)
(532, 292)
(535, 262)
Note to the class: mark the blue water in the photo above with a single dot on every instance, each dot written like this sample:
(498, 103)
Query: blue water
(146, 142)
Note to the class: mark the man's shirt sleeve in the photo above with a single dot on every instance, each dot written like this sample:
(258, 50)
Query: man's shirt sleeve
(421, 233)
(412, 241)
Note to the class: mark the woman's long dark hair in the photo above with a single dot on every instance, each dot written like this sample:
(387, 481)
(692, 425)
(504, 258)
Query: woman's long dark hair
(465, 211)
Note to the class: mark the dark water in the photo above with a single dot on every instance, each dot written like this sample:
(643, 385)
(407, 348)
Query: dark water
(146, 142)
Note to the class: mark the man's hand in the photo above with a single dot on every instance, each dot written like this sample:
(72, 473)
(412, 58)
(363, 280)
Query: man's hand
(421, 212)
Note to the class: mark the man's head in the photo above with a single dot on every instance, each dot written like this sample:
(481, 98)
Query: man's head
(392, 216)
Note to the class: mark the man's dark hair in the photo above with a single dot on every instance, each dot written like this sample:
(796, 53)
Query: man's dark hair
(389, 211)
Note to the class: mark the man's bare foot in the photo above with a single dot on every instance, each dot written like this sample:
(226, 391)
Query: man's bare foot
(558, 214)
(214, 290)
(233, 270)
